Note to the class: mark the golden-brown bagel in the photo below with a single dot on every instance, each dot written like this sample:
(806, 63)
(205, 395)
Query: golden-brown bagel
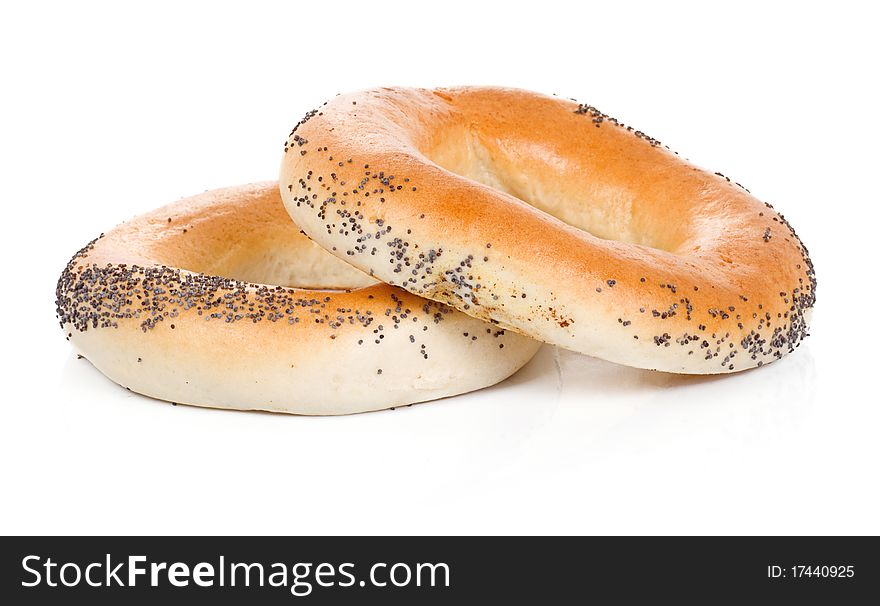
(193, 303)
(552, 219)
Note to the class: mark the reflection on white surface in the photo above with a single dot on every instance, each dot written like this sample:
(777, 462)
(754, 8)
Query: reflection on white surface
(566, 425)
(629, 402)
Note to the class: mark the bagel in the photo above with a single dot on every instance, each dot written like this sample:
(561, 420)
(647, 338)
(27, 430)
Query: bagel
(194, 303)
(552, 219)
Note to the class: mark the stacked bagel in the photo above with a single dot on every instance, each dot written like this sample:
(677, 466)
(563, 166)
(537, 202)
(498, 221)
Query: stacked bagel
(432, 240)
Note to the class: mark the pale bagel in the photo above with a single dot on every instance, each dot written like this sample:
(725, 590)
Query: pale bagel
(552, 219)
(193, 303)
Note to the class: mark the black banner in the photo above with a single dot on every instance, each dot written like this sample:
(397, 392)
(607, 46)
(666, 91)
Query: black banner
(435, 570)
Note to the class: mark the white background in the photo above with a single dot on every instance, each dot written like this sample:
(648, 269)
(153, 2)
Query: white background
(111, 110)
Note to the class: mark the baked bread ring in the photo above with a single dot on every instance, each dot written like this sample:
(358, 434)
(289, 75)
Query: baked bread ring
(147, 305)
(554, 220)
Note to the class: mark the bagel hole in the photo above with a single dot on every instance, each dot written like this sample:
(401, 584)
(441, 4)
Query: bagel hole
(292, 262)
(266, 249)
(520, 169)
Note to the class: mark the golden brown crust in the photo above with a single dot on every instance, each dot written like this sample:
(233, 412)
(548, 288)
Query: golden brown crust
(624, 250)
(146, 303)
